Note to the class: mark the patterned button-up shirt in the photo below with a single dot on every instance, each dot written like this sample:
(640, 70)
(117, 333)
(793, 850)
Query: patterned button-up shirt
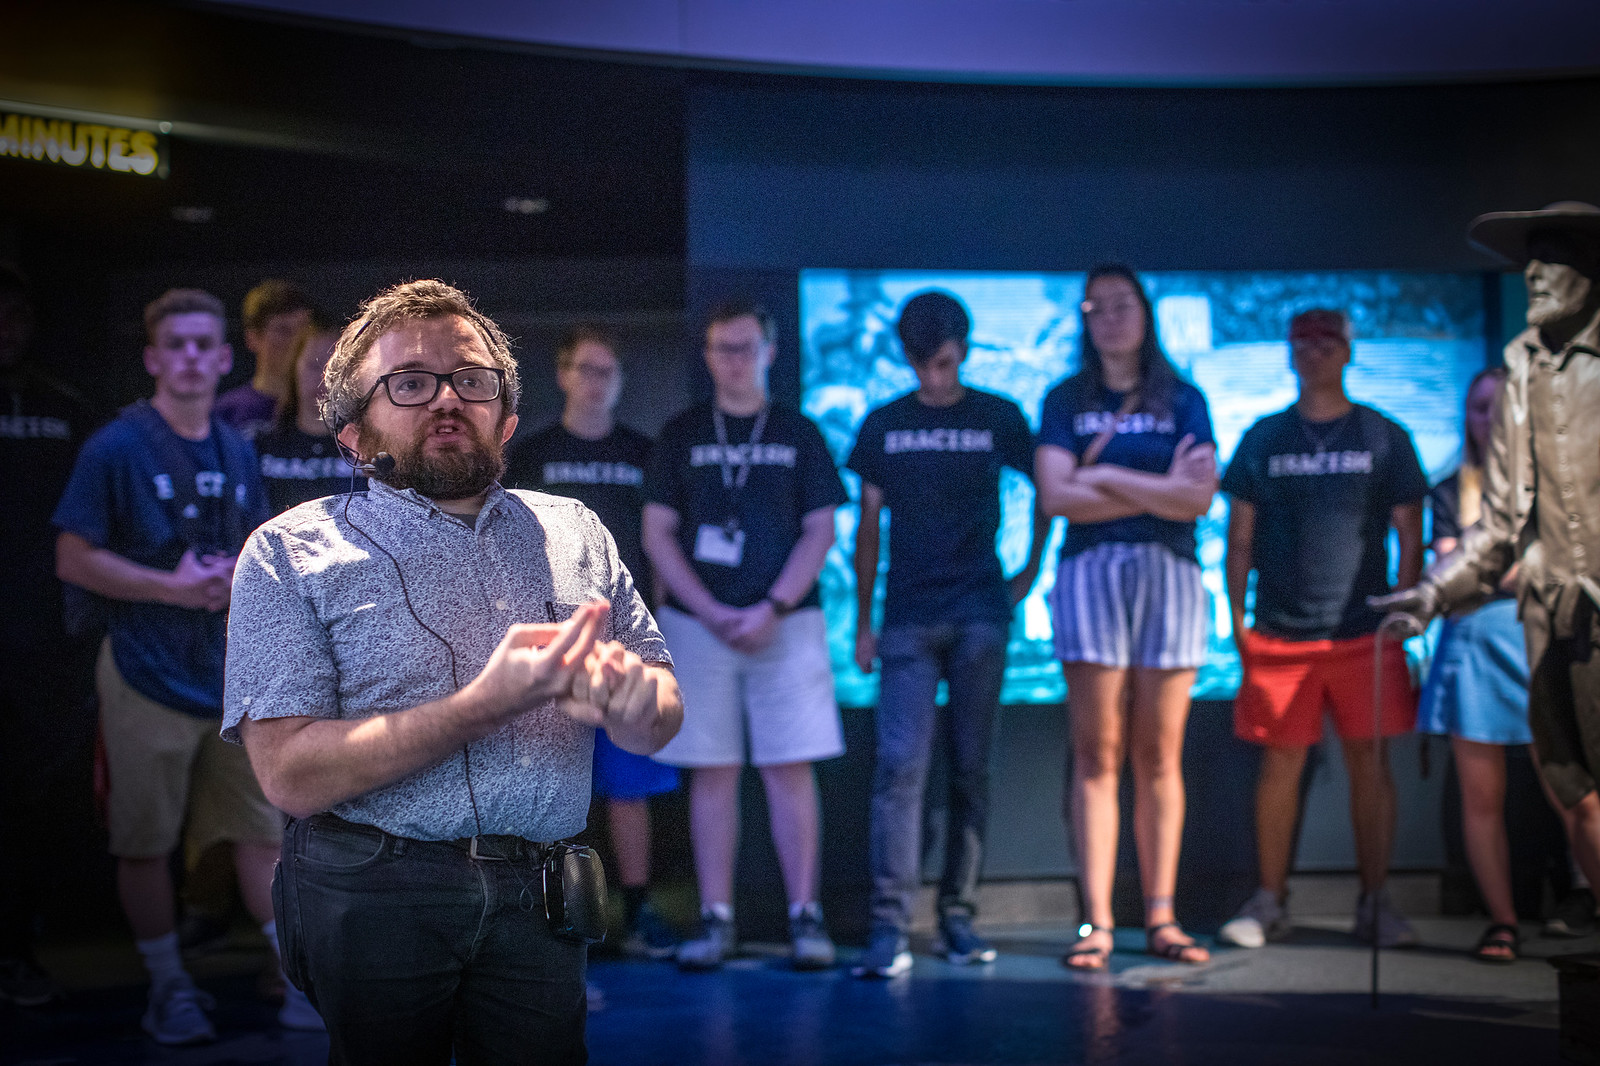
(320, 627)
(1541, 498)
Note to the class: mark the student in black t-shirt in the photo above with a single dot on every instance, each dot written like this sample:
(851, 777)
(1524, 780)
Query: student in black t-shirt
(741, 494)
(592, 457)
(300, 460)
(1313, 492)
(46, 720)
(1126, 456)
(933, 458)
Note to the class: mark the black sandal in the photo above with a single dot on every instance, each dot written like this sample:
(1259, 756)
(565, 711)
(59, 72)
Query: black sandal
(1099, 956)
(1172, 951)
(1499, 935)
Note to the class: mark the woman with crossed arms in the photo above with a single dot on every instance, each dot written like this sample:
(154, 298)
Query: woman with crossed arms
(1126, 455)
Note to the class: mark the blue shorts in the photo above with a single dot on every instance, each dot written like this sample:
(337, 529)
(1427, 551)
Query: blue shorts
(623, 775)
(1478, 686)
(1125, 605)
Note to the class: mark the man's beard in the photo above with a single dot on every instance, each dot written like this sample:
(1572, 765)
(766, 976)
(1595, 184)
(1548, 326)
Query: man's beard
(449, 474)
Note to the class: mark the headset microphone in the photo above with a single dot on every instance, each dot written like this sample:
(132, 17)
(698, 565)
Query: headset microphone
(382, 465)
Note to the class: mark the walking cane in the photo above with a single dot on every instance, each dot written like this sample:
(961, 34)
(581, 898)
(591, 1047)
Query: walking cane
(1396, 624)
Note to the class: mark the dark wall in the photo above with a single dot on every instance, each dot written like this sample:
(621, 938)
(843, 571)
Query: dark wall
(827, 174)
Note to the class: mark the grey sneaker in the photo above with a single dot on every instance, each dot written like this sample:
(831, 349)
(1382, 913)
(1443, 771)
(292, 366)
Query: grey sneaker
(958, 943)
(813, 948)
(888, 954)
(707, 950)
(1376, 917)
(1573, 917)
(177, 1015)
(1262, 918)
(650, 937)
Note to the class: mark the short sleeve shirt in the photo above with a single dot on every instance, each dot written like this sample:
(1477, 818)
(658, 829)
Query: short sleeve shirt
(606, 474)
(41, 427)
(1323, 493)
(297, 467)
(791, 475)
(939, 470)
(117, 499)
(320, 628)
(1142, 441)
(247, 410)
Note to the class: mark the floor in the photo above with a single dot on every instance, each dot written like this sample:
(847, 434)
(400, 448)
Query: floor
(1305, 1001)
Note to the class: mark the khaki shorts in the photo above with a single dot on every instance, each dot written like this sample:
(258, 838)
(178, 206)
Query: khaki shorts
(168, 770)
(777, 704)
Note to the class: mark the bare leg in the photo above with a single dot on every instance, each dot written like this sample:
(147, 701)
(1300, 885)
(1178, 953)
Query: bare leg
(796, 826)
(254, 863)
(145, 888)
(1095, 718)
(1582, 823)
(1160, 713)
(1277, 806)
(714, 829)
(630, 839)
(1481, 769)
(1372, 812)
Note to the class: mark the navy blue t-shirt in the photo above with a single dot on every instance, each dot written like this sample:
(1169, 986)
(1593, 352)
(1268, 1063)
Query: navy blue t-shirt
(791, 475)
(1143, 441)
(1323, 493)
(115, 500)
(939, 469)
(607, 475)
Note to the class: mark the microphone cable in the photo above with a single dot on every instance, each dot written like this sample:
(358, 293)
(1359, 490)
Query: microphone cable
(383, 464)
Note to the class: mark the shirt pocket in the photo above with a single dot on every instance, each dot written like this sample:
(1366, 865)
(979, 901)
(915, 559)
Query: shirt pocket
(561, 610)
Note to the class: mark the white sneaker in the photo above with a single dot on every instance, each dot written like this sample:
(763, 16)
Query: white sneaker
(1375, 915)
(298, 1013)
(177, 1015)
(1262, 918)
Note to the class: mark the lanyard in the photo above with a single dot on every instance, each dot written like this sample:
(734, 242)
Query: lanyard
(729, 481)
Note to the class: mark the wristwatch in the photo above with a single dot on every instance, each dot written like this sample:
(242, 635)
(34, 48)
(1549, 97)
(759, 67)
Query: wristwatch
(779, 608)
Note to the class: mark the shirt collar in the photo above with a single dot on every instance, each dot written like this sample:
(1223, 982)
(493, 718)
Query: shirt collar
(387, 494)
(1587, 340)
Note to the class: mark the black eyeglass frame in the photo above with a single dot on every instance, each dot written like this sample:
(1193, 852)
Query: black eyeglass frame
(438, 383)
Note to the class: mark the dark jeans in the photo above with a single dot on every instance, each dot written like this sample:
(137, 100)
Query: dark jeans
(971, 658)
(413, 950)
(50, 846)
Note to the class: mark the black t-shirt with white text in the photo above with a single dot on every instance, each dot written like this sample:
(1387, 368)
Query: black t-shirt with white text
(939, 470)
(606, 475)
(42, 425)
(1323, 493)
(297, 467)
(791, 475)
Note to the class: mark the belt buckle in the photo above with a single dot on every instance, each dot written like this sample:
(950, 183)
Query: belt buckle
(472, 850)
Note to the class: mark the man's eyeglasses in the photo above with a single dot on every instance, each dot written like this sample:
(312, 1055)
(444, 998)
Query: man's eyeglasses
(416, 388)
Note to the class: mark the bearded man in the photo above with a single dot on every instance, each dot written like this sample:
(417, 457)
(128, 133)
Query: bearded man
(417, 672)
(1541, 504)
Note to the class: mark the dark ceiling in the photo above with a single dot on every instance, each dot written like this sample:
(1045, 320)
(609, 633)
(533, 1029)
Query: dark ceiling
(309, 141)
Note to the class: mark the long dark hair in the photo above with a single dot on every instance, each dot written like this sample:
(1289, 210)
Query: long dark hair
(1469, 447)
(1158, 379)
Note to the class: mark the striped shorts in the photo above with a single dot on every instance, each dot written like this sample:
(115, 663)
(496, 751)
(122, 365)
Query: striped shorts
(1129, 605)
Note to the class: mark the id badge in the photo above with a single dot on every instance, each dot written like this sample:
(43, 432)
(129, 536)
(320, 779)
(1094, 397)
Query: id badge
(718, 544)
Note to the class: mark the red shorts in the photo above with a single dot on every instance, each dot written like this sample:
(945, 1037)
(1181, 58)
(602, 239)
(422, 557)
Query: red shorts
(1288, 683)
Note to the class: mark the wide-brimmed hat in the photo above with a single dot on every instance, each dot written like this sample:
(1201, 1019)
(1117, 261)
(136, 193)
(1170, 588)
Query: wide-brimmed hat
(1505, 233)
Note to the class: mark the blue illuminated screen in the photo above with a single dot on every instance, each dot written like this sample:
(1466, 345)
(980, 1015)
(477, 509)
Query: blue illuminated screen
(1419, 340)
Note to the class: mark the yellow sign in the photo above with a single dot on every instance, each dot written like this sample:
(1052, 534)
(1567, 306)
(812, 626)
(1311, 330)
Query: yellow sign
(81, 144)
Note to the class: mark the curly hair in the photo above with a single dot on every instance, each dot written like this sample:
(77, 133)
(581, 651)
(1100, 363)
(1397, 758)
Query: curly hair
(409, 301)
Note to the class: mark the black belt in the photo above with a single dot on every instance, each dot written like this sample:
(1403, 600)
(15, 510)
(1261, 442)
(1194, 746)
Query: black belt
(485, 847)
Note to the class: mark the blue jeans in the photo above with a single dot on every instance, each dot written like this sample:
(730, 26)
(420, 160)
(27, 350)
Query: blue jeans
(413, 950)
(971, 658)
